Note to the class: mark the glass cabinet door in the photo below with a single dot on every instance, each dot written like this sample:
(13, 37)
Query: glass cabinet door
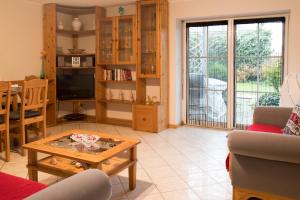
(106, 41)
(125, 42)
(148, 35)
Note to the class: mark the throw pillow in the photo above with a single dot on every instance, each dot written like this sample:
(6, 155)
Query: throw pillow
(293, 125)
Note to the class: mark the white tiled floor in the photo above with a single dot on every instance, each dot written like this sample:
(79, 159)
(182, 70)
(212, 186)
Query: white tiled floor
(177, 164)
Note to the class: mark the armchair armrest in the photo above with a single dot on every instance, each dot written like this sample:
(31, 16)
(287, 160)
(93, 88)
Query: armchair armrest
(91, 184)
(263, 145)
(277, 116)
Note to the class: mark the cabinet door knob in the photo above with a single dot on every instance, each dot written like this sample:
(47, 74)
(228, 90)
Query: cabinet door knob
(144, 119)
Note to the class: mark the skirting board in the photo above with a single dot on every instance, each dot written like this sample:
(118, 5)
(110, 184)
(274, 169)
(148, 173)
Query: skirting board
(174, 125)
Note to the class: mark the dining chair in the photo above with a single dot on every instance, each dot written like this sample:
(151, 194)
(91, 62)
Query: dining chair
(33, 108)
(5, 90)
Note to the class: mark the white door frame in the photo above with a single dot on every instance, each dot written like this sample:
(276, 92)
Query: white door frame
(230, 71)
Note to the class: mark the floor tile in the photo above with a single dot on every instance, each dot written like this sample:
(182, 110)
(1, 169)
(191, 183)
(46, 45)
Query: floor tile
(180, 195)
(170, 184)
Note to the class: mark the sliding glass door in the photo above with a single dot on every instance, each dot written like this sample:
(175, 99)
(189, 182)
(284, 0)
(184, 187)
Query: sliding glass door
(207, 74)
(258, 66)
(232, 67)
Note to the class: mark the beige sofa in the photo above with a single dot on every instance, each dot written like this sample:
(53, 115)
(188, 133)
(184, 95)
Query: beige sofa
(265, 165)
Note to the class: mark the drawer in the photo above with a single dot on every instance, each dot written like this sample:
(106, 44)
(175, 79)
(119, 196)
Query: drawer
(145, 119)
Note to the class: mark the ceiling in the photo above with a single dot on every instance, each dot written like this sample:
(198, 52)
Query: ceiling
(103, 3)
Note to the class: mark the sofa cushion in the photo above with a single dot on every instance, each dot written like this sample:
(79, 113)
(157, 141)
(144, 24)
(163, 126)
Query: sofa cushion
(14, 188)
(259, 128)
(293, 125)
(265, 128)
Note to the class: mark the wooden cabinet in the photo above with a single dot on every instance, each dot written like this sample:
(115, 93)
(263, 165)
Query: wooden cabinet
(135, 43)
(152, 67)
(144, 118)
(117, 40)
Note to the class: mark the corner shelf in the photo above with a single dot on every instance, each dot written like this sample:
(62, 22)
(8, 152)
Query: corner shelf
(116, 101)
(77, 100)
(81, 54)
(113, 81)
(76, 68)
(78, 33)
(116, 121)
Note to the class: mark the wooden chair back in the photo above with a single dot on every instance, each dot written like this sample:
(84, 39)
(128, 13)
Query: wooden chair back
(5, 91)
(31, 77)
(34, 95)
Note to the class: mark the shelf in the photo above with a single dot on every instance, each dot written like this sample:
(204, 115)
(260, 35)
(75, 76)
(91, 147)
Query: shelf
(119, 122)
(116, 101)
(72, 10)
(147, 30)
(69, 54)
(113, 81)
(78, 33)
(148, 52)
(75, 68)
(148, 76)
(76, 100)
(65, 168)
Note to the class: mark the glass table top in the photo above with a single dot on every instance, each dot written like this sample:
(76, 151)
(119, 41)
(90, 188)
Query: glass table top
(94, 147)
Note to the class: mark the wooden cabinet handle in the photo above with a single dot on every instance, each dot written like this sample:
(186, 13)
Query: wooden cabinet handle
(144, 119)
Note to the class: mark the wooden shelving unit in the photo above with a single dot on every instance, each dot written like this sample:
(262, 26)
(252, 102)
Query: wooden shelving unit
(117, 50)
(137, 43)
(51, 13)
(153, 65)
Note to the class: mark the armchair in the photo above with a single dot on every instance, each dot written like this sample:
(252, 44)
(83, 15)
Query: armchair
(265, 165)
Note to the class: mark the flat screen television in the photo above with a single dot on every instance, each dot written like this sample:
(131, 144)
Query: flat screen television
(75, 84)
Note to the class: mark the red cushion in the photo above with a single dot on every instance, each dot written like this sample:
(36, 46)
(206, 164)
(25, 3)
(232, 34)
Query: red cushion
(265, 128)
(16, 188)
(260, 128)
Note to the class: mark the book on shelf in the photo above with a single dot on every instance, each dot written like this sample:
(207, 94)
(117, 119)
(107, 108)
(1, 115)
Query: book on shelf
(119, 75)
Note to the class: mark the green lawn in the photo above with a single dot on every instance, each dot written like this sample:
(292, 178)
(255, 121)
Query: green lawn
(252, 86)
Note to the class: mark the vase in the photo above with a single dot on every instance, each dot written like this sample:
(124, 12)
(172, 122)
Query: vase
(60, 26)
(76, 24)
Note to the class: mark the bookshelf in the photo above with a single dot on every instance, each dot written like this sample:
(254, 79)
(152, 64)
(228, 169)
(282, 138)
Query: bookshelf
(116, 67)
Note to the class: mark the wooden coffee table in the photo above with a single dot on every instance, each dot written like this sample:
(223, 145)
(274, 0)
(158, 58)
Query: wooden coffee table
(114, 155)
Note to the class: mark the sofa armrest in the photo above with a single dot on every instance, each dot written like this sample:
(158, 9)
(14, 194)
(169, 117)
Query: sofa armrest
(277, 147)
(277, 116)
(91, 184)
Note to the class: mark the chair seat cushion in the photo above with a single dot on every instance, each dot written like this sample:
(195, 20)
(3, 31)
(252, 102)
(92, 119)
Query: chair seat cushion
(29, 113)
(265, 128)
(12, 187)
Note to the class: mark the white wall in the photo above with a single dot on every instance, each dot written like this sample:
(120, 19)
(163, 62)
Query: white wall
(211, 9)
(20, 39)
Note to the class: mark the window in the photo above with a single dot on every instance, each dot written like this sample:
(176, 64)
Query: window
(207, 73)
(257, 57)
(258, 65)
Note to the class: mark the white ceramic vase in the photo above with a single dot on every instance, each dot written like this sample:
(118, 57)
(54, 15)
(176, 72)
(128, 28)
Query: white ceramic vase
(76, 24)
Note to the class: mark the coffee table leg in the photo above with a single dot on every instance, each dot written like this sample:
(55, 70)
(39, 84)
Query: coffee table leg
(132, 169)
(32, 163)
